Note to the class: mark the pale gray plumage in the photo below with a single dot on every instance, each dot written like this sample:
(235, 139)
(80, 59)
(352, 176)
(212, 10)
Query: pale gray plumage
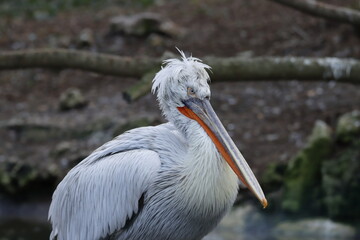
(167, 182)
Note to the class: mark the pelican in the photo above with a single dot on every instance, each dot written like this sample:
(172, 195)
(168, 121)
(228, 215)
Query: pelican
(174, 181)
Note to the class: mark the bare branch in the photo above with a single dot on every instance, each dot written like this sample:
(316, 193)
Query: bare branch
(224, 69)
(267, 68)
(285, 68)
(324, 10)
(82, 60)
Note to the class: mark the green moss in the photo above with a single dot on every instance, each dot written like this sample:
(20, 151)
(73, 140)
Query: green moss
(341, 182)
(14, 175)
(273, 177)
(303, 176)
(272, 183)
(348, 126)
(18, 178)
(323, 178)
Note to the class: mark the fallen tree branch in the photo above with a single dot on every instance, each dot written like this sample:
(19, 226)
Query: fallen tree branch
(324, 10)
(268, 68)
(285, 68)
(223, 69)
(75, 59)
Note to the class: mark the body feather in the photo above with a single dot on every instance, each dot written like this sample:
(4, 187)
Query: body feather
(100, 194)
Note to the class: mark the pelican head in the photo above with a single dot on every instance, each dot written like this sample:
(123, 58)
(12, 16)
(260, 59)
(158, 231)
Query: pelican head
(183, 93)
(178, 81)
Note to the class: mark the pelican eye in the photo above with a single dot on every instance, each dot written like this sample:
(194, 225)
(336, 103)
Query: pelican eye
(191, 92)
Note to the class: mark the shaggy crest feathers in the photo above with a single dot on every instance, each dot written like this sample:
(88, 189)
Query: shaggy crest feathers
(177, 71)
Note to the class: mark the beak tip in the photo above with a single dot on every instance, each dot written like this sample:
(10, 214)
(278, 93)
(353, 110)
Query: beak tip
(264, 202)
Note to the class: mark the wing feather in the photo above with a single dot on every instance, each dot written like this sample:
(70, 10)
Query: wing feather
(96, 198)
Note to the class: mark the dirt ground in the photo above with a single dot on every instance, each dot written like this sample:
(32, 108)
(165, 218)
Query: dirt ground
(269, 121)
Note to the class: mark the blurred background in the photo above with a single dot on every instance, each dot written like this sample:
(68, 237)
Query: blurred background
(300, 138)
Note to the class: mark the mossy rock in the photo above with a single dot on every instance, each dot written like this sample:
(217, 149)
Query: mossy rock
(14, 175)
(72, 98)
(17, 178)
(272, 182)
(303, 176)
(348, 126)
(323, 178)
(341, 182)
(273, 177)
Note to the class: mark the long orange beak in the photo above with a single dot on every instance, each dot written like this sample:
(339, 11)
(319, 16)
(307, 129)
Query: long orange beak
(202, 112)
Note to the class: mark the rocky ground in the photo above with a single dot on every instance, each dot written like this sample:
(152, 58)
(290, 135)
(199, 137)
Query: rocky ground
(269, 121)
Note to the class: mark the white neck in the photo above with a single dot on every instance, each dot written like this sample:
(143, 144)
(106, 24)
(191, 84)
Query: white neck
(208, 179)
